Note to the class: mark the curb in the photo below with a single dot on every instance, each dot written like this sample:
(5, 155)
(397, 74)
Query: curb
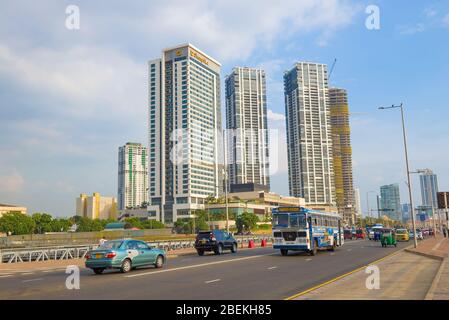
(436, 280)
(427, 255)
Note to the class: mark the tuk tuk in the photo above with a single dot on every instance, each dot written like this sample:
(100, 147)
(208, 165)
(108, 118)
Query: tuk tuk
(388, 238)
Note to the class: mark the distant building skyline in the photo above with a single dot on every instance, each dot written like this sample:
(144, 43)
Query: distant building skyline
(96, 206)
(390, 201)
(132, 176)
(429, 188)
(246, 124)
(309, 136)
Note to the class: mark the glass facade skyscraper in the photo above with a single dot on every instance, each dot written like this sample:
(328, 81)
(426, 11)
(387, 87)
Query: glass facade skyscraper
(429, 188)
(246, 121)
(390, 201)
(184, 130)
(132, 176)
(309, 136)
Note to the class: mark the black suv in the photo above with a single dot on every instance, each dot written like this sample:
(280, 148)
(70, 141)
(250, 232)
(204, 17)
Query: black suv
(216, 241)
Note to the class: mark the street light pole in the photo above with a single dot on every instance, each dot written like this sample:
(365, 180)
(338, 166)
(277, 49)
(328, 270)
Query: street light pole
(225, 169)
(415, 241)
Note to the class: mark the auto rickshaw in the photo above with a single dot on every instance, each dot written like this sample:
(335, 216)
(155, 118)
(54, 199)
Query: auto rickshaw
(388, 238)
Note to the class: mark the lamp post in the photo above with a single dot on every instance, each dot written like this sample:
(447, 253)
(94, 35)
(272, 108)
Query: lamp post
(225, 170)
(367, 203)
(415, 241)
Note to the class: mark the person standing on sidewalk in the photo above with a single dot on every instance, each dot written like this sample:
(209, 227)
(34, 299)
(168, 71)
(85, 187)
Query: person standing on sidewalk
(444, 230)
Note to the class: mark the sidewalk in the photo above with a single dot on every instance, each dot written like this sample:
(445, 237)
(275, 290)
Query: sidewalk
(438, 249)
(412, 274)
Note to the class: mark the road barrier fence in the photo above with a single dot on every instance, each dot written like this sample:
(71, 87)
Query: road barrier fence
(17, 255)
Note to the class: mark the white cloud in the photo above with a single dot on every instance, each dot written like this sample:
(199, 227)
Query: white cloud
(411, 30)
(273, 116)
(85, 81)
(446, 20)
(11, 182)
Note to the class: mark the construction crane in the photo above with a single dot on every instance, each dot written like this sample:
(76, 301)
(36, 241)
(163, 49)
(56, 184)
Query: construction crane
(332, 69)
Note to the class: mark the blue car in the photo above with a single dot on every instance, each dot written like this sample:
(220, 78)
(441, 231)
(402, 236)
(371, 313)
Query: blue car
(124, 255)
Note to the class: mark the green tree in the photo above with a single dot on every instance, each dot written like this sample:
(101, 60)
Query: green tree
(60, 225)
(43, 222)
(246, 221)
(16, 223)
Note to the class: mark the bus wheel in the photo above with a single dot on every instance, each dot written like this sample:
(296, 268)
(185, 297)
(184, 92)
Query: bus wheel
(314, 249)
(284, 252)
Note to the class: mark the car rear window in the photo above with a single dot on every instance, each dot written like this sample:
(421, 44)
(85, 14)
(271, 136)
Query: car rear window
(203, 235)
(108, 245)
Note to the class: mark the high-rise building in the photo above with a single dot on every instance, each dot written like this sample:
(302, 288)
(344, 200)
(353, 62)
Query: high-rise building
(246, 123)
(390, 202)
(96, 206)
(309, 136)
(184, 126)
(342, 153)
(406, 212)
(132, 176)
(357, 203)
(429, 188)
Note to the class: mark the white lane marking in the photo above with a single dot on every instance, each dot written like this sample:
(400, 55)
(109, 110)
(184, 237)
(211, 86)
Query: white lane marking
(271, 268)
(198, 265)
(27, 273)
(309, 259)
(6, 275)
(29, 280)
(349, 249)
(332, 253)
(210, 281)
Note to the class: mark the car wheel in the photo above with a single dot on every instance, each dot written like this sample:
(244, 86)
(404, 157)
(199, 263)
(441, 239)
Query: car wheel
(200, 252)
(159, 261)
(234, 248)
(98, 270)
(284, 252)
(126, 266)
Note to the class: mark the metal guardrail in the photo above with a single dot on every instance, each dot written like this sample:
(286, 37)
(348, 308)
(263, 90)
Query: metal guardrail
(76, 252)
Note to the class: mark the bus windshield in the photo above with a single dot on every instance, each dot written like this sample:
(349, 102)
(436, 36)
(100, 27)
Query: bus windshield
(289, 220)
(280, 220)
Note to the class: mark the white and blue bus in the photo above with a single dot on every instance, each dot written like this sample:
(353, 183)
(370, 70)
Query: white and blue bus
(302, 229)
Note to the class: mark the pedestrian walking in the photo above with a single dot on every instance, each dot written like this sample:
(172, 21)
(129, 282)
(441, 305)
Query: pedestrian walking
(101, 242)
(444, 230)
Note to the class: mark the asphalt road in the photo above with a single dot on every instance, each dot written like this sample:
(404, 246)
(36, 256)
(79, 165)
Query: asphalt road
(260, 273)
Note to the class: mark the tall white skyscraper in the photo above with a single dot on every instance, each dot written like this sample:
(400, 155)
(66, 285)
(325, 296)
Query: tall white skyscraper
(246, 121)
(357, 203)
(429, 188)
(309, 136)
(132, 176)
(184, 131)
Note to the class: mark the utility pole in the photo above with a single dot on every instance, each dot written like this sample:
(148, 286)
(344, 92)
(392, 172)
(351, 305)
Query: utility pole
(225, 169)
(415, 241)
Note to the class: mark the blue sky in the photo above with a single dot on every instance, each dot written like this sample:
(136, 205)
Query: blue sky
(70, 98)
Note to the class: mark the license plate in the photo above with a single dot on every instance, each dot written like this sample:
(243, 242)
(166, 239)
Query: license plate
(98, 256)
(203, 241)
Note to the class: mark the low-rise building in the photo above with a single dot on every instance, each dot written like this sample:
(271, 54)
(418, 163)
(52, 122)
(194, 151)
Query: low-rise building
(141, 213)
(257, 202)
(5, 208)
(96, 206)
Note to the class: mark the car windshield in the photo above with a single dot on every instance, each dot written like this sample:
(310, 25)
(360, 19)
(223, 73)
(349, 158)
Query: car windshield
(401, 231)
(108, 245)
